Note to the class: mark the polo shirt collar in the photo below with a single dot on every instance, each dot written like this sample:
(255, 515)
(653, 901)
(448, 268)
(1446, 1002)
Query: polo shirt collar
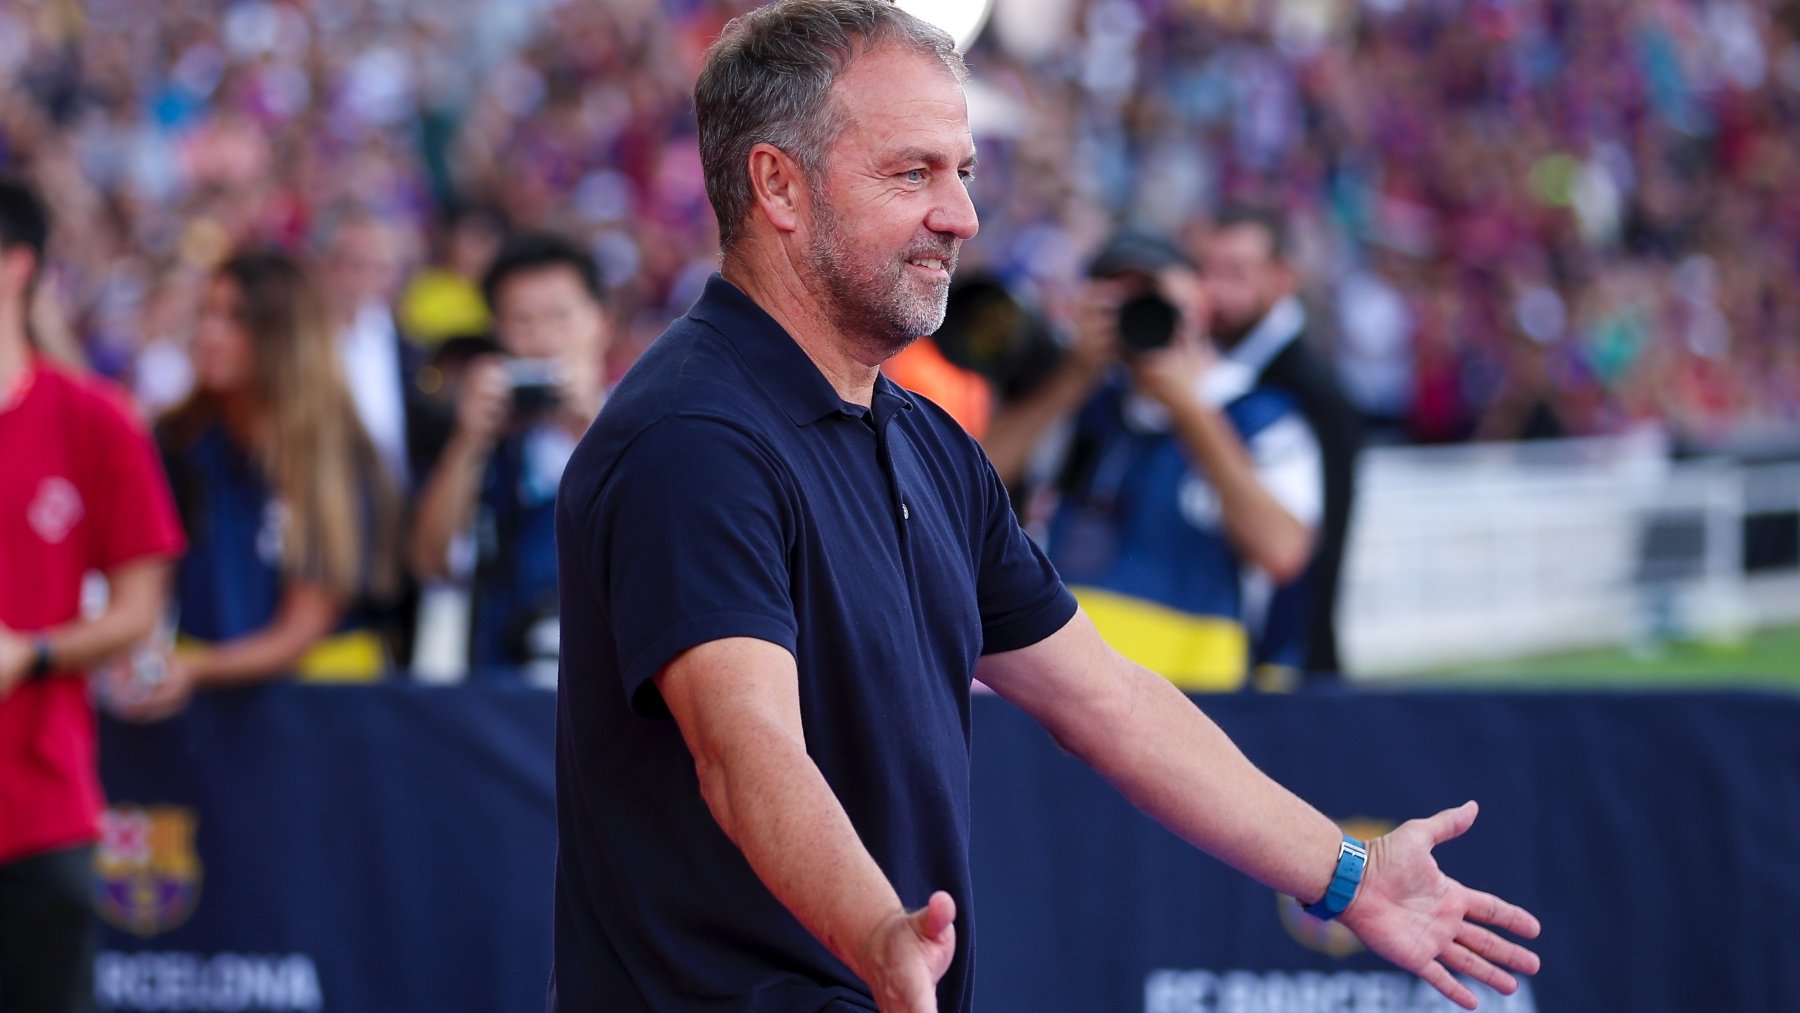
(777, 362)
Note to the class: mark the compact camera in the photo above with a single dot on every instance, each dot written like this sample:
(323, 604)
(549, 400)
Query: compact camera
(536, 385)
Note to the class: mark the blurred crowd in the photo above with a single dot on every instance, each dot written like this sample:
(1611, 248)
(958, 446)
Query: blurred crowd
(1525, 217)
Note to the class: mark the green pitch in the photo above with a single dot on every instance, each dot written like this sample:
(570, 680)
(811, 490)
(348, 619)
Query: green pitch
(1767, 660)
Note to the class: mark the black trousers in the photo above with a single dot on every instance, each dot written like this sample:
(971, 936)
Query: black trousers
(48, 933)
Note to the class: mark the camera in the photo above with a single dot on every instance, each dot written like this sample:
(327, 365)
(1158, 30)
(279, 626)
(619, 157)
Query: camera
(1147, 323)
(988, 330)
(536, 385)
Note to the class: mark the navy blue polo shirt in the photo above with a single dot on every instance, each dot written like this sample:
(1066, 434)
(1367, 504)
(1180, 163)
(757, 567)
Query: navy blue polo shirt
(727, 491)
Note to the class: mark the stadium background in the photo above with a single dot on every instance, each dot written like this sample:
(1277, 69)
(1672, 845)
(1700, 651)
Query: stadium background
(1555, 243)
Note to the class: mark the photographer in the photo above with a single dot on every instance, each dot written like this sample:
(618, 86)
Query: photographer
(518, 416)
(1192, 489)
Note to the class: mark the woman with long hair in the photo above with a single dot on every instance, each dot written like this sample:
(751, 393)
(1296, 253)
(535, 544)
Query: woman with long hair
(290, 517)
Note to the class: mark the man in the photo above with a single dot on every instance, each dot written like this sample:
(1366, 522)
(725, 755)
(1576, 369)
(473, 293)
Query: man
(786, 571)
(363, 256)
(1205, 484)
(518, 416)
(1259, 324)
(81, 490)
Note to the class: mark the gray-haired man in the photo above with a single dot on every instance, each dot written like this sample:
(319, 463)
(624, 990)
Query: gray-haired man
(804, 566)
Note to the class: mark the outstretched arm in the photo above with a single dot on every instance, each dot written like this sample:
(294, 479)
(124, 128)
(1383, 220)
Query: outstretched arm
(737, 703)
(1172, 761)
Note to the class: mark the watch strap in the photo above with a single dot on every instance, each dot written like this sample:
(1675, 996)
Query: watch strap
(1353, 857)
(42, 661)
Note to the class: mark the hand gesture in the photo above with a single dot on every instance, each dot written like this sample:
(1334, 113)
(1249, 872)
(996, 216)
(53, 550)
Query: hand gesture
(1172, 375)
(1411, 913)
(1095, 343)
(484, 403)
(907, 953)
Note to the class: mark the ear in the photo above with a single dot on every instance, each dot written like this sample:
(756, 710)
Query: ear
(777, 186)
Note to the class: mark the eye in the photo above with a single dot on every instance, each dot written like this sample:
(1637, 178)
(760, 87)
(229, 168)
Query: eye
(914, 175)
(966, 175)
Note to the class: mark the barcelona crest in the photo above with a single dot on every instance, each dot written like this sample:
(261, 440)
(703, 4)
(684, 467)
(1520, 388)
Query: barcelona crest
(1327, 937)
(147, 872)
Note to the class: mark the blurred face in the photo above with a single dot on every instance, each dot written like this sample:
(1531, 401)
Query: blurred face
(17, 267)
(224, 360)
(547, 313)
(365, 264)
(893, 207)
(1244, 280)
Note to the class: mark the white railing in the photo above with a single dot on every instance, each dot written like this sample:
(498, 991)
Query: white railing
(1485, 552)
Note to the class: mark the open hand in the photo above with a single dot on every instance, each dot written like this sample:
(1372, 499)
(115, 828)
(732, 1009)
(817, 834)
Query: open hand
(907, 953)
(1411, 913)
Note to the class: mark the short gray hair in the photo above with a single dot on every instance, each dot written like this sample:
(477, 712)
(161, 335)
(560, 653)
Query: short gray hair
(768, 80)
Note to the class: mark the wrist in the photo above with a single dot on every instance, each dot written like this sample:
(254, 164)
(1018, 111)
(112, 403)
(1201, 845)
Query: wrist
(196, 665)
(1346, 880)
(470, 448)
(43, 659)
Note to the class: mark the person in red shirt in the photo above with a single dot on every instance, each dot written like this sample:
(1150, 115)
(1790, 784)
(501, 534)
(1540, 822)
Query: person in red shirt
(81, 491)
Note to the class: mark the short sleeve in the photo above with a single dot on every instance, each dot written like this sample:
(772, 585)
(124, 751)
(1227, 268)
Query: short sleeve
(689, 542)
(1022, 599)
(1289, 464)
(134, 513)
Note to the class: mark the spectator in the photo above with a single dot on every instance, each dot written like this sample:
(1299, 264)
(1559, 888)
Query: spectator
(1192, 489)
(81, 490)
(289, 510)
(363, 259)
(518, 416)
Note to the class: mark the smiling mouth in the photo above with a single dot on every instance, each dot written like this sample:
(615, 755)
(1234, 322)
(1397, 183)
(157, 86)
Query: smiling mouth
(933, 265)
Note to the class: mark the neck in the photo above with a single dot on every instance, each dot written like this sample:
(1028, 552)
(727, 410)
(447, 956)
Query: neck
(239, 416)
(15, 350)
(775, 284)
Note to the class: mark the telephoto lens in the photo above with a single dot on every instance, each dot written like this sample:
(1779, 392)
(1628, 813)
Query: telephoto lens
(1147, 323)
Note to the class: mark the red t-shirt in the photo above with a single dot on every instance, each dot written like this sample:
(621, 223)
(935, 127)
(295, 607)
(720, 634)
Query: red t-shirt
(80, 489)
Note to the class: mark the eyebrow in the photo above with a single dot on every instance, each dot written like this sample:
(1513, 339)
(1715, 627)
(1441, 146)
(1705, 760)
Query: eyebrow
(930, 157)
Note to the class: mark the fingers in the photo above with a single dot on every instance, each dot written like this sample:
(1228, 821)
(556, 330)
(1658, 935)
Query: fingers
(1462, 960)
(1437, 977)
(1451, 823)
(1485, 907)
(1500, 951)
(936, 917)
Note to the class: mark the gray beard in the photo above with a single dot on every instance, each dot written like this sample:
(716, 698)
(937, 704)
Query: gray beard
(873, 302)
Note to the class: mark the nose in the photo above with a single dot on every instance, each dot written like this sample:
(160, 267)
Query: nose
(955, 211)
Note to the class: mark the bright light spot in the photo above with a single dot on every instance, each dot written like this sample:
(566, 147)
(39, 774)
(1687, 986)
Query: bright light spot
(961, 18)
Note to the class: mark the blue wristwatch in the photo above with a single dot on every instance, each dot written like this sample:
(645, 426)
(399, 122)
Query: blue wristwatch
(1353, 855)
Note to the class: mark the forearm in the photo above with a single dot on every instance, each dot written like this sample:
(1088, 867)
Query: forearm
(1014, 431)
(1165, 755)
(257, 657)
(137, 595)
(446, 505)
(1255, 521)
(307, 614)
(775, 805)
